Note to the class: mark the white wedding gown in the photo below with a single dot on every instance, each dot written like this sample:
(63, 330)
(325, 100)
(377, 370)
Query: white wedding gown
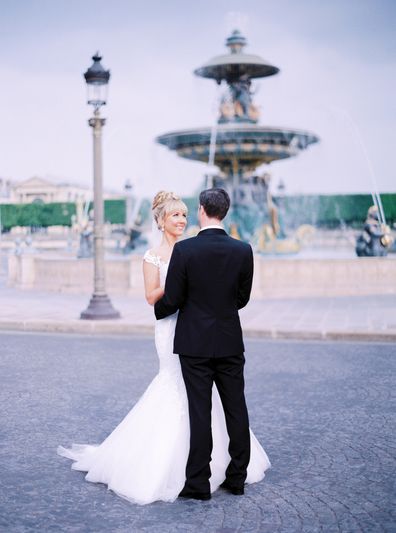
(144, 458)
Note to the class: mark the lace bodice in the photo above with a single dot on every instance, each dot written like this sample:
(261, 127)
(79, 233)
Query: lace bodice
(162, 265)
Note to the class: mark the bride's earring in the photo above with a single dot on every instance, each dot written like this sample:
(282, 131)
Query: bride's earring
(162, 228)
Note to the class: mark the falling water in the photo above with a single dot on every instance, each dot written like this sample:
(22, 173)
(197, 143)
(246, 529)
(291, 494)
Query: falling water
(136, 208)
(86, 209)
(212, 153)
(356, 131)
(213, 139)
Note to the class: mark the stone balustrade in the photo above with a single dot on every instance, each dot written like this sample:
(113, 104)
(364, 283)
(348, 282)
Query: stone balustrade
(274, 278)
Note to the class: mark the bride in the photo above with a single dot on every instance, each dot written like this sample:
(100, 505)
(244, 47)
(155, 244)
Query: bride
(144, 458)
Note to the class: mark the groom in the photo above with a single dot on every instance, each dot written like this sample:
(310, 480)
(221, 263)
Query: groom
(209, 279)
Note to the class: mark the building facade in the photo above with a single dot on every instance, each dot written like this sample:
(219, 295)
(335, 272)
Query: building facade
(42, 190)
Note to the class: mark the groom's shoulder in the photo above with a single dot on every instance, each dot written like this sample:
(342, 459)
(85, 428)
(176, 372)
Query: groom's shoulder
(241, 245)
(186, 244)
(193, 243)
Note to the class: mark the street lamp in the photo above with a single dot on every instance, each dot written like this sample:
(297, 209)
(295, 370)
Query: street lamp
(97, 78)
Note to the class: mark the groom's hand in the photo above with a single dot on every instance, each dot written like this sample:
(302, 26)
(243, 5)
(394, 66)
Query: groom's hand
(160, 310)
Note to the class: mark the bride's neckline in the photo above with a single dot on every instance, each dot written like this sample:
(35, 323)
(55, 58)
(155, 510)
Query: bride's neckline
(160, 259)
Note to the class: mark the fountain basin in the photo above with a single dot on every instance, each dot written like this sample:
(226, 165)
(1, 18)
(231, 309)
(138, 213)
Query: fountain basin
(250, 144)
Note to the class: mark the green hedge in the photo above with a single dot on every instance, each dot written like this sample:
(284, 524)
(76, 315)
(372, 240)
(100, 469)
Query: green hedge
(54, 214)
(36, 215)
(389, 205)
(114, 211)
(332, 210)
(322, 210)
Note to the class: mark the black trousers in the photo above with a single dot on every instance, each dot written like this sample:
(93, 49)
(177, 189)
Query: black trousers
(199, 374)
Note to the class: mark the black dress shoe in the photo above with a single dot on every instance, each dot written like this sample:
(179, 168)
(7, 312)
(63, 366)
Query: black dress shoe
(237, 491)
(195, 495)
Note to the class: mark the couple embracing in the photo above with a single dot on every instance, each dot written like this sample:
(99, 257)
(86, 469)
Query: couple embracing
(189, 433)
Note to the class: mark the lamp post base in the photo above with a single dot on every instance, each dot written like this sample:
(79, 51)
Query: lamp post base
(99, 308)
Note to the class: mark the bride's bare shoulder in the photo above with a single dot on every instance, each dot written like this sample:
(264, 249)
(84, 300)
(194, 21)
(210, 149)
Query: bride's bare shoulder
(156, 256)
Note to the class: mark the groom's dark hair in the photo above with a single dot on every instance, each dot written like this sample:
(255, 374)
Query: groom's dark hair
(216, 202)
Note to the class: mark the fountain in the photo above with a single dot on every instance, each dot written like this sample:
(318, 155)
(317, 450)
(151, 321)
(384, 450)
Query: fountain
(238, 145)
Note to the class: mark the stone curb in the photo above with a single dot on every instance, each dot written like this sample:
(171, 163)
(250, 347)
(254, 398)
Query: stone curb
(342, 335)
(75, 326)
(92, 327)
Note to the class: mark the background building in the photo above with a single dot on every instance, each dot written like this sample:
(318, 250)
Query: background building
(5, 189)
(44, 190)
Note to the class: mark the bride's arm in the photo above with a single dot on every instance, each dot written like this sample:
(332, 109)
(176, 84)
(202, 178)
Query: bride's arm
(153, 291)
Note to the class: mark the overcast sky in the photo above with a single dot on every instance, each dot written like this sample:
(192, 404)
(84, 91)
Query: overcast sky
(337, 79)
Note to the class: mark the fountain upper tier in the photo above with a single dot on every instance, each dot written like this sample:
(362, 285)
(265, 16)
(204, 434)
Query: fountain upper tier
(236, 64)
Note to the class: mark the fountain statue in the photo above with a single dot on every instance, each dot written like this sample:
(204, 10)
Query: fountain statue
(82, 223)
(238, 145)
(376, 239)
(134, 206)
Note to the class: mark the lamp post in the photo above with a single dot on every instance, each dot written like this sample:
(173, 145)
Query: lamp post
(97, 78)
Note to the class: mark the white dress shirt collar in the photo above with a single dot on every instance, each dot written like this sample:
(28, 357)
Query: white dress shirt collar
(212, 226)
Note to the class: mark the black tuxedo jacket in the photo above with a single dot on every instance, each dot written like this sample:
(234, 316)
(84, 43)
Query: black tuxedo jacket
(209, 279)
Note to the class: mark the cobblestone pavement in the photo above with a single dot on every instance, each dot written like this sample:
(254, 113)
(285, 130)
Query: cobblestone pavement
(323, 412)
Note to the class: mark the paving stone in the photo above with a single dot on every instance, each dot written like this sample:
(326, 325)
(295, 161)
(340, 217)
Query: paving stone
(324, 412)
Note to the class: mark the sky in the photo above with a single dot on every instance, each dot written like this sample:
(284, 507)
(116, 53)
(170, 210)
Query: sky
(337, 79)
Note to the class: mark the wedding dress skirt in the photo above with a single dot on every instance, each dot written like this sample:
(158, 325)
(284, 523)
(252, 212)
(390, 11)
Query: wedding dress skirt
(144, 458)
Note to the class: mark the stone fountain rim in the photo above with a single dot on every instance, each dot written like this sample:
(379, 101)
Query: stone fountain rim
(237, 128)
(219, 62)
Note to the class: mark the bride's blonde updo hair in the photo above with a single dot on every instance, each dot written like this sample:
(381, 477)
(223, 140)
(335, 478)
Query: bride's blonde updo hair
(164, 203)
